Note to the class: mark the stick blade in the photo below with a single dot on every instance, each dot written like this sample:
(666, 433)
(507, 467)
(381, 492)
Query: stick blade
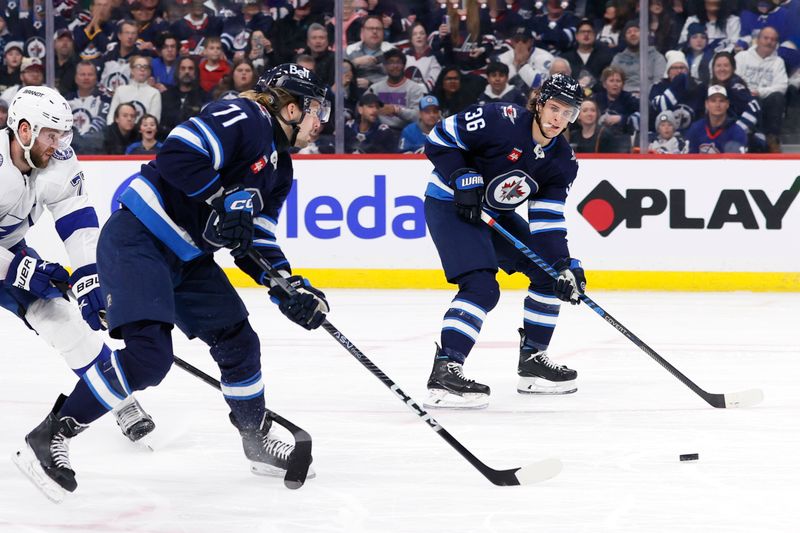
(539, 471)
(747, 398)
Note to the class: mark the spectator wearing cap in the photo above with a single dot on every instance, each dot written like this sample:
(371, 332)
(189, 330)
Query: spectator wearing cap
(367, 54)
(92, 37)
(666, 140)
(31, 73)
(498, 89)
(400, 96)
(722, 27)
(412, 139)
(237, 28)
(421, 63)
(290, 33)
(66, 61)
(677, 92)
(12, 61)
(528, 65)
(3, 114)
(765, 74)
(113, 65)
(698, 53)
(365, 134)
(743, 104)
(140, 94)
(589, 58)
(149, 25)
(89, 105)
(555, 30)
(717, 132)
(628, 60)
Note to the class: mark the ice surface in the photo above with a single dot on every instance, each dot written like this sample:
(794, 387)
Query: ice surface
(381, 469)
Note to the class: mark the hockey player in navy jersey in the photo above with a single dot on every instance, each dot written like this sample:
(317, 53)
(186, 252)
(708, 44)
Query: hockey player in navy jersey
(496, 157)
(219, 181)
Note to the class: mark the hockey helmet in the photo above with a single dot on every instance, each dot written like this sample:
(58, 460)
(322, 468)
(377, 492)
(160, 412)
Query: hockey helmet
(299, 82)
(41, 107)
(565, 89)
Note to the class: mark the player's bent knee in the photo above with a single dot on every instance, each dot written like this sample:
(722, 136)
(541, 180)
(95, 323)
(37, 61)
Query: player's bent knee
(236, 349)
(480, 287)
(147, 356)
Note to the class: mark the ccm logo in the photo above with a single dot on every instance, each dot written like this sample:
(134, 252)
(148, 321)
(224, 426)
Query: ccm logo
(239, 205)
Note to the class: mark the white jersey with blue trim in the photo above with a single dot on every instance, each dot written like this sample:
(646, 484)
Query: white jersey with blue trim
(59, 188)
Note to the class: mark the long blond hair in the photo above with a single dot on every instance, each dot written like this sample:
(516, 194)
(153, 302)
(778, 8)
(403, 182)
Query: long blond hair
(273, 99)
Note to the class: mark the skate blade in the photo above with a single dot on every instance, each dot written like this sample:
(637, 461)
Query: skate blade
(537, 385)
(264, 469)
(444, 399)
(29, 465)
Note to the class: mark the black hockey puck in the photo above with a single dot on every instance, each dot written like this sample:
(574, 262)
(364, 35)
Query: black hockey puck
(690, 457)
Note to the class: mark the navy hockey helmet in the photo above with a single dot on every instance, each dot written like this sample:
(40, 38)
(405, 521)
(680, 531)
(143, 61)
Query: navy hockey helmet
(564, 89)
(301, 84)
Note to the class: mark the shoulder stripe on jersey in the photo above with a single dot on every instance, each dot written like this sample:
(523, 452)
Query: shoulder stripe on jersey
(434, 137)
(205, 187)
(72, 222)
(217, 156)
(451, 128)
(189, 138)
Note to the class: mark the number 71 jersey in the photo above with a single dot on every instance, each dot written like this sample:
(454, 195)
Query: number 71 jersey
(496, 140)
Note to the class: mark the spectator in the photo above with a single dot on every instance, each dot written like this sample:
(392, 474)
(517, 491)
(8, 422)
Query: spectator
(149, 25)
(138, 92)
(528, 65)
(763, 13)
(184, 99)
(677, 92)
(619, 109)
(743, 104)
(3, 114)
(261, 53)
(290, 33)
(242, 78)
(666, 140)
(12, 61)
(113, 65)
(31, 73)
(559, 66)
(765, 74)
(122, 132)
(717, 132)
(498, 88)
(412, 139)
(454, 95)
(318, 47)
(664, 27)
(392, 27)
(236, 29)
(352, 92)
(306, 61)
(698, 53)
(66, 61)
(89, 105)
(590, 136)
(93, 37)
(421, 63)
(589, 58)
(555, 31)
(164, 65)
(612, 26)
(147, 128)
(467, 40)
(628, 60)
(214, 65)
(400, 96)
(367, 54)
(193, 28)
(365, 134)
(722, 27)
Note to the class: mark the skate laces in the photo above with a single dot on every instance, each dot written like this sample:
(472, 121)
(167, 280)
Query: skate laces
(278, 448)
(59, 450)
(458, 370)
(130, 414)
(544, 360)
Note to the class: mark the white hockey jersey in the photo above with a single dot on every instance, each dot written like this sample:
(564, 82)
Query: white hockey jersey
(59, 188)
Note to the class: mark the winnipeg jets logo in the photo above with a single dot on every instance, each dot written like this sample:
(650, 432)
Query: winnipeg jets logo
(512, 190)
(514, 155)
(510, 113)
(509, 190)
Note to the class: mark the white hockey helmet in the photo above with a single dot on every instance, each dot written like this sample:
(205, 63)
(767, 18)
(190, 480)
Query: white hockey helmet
(41, 107)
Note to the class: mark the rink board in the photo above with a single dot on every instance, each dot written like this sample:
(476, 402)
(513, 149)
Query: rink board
(636, 223)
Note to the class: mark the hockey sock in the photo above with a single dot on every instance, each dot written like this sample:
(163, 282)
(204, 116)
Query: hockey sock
(477, 295)
(541, 314)
(101, 388)
(246, 400)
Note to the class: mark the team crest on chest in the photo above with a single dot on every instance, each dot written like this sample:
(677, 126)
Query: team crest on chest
(514, 155)
(509, 190)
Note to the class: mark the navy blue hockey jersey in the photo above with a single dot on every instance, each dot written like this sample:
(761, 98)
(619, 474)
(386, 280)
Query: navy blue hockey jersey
(496, 140)
(230, 143)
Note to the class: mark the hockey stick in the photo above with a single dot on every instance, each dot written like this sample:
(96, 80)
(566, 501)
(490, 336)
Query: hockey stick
(746, 398)
(531, 473)
(299, 459)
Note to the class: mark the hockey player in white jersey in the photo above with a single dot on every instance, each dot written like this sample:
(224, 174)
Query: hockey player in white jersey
(39, 170)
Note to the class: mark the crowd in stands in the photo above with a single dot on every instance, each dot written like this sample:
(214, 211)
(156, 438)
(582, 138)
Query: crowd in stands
(724, 76)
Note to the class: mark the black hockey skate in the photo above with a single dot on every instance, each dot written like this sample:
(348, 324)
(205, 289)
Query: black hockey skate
(134, 422)
(449, 388)
(539, 375)
(45, 459)
(268, 455)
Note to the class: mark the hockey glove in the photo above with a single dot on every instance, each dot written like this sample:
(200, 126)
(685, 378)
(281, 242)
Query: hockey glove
(306, 305)
(468, 194)
(234, 226)
(41, 278)
(571, 280)
(86, 287)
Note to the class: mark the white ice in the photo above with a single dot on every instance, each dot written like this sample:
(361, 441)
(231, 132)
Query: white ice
(381, 469)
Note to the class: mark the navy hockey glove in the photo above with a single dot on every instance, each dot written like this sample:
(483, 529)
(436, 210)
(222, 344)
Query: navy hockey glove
(571, 280)
(306, 305)
(41, 278)
(86, 287)
(234, 226)
(468, 194)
